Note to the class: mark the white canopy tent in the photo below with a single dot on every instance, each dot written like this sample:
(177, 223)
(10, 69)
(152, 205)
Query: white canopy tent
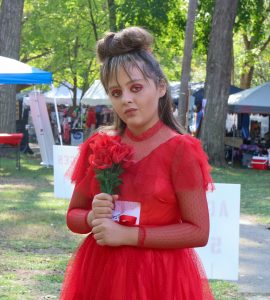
(62, 94)
(96, 95)
(252, 101)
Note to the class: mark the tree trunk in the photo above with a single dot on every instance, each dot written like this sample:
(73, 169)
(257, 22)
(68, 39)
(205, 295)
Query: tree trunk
(10, 31)
(232, 68)
(218, 80)
(185, 74)
(112, 15)
(246, 78)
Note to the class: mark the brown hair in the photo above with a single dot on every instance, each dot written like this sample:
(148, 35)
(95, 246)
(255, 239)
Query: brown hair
(132, 47)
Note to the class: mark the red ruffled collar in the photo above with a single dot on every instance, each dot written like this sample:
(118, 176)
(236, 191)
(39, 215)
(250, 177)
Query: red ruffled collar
(145, 135)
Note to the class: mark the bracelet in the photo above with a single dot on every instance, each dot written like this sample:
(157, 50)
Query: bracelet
(141, 236)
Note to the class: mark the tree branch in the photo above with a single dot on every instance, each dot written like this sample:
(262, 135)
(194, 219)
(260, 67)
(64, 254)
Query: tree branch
(94, 25)
(26, 60)
(246, 41)
(262, 48)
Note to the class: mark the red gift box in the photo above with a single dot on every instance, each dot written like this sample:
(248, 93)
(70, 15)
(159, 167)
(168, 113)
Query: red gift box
(259, 163)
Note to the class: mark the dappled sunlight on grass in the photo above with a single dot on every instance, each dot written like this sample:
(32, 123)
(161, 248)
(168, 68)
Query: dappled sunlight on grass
(30, 170)
(47, 195)
(4, 173)
(53, 203)
(9, 216)
(18, 187)
(35, 244)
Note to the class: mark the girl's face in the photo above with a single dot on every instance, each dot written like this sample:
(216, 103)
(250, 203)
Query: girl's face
(135, 99)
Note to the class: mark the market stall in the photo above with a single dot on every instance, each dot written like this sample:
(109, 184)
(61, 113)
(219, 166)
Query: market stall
(252, 107)
(96, 95)
(15, 72)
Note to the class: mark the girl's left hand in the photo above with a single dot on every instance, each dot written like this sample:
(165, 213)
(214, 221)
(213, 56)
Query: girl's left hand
(108, 233)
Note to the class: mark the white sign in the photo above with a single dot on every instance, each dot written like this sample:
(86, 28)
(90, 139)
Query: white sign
(221, 255)
(43, 128)
(63, 157)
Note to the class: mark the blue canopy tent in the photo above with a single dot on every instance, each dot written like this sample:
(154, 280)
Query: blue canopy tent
(199, 94)
(16, 72)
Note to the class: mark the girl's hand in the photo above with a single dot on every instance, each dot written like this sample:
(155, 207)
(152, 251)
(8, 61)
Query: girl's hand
(102, 206)
(108, 233)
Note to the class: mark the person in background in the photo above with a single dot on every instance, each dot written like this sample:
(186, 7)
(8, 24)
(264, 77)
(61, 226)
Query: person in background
(153, 259)
(175, 110)
(98, 110)
(91, 121)
(198, 119)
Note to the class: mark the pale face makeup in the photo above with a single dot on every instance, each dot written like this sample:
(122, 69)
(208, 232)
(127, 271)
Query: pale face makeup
(135, 99)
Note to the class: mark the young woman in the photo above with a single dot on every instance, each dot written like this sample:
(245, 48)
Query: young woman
(153, 259)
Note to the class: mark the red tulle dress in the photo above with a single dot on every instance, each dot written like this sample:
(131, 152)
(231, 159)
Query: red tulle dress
(169, 179)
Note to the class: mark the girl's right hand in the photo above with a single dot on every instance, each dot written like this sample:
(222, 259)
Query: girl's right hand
(103, 205)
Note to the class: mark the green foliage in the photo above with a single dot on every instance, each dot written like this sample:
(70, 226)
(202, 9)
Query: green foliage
(262, 68)
(252, 33)
(250, 17)
(166, 20)
(61, 36)
(203, 26)
(151, 14)
(252, 24)
(170, 42)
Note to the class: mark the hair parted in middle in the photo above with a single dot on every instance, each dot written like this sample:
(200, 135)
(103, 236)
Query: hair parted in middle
(128, 48)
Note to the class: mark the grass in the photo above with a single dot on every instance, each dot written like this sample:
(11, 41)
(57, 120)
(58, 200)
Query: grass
(35, 244)
(255, 197)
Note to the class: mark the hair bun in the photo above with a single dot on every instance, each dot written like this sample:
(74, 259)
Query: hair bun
(124, 41)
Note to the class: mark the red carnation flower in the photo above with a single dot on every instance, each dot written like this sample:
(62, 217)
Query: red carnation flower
(109, 158)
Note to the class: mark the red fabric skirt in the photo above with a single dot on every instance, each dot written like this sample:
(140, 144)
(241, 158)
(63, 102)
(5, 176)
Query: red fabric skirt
(131, 273)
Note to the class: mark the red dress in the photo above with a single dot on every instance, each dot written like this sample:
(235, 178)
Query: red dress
(169, 168)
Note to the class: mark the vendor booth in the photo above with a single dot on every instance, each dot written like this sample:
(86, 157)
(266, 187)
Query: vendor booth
(252, 107)
(63, 94)
(15, 72)
(96, 95)
(252, 101)
(70, 118)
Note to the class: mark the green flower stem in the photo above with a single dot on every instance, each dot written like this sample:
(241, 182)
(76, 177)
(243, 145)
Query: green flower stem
(109, 178)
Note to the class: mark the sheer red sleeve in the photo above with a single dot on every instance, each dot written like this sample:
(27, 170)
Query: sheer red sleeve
(191, 179)
(81, 200)
(79, 207)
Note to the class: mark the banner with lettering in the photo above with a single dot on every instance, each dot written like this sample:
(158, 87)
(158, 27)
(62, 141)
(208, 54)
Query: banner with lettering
(63, 157)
